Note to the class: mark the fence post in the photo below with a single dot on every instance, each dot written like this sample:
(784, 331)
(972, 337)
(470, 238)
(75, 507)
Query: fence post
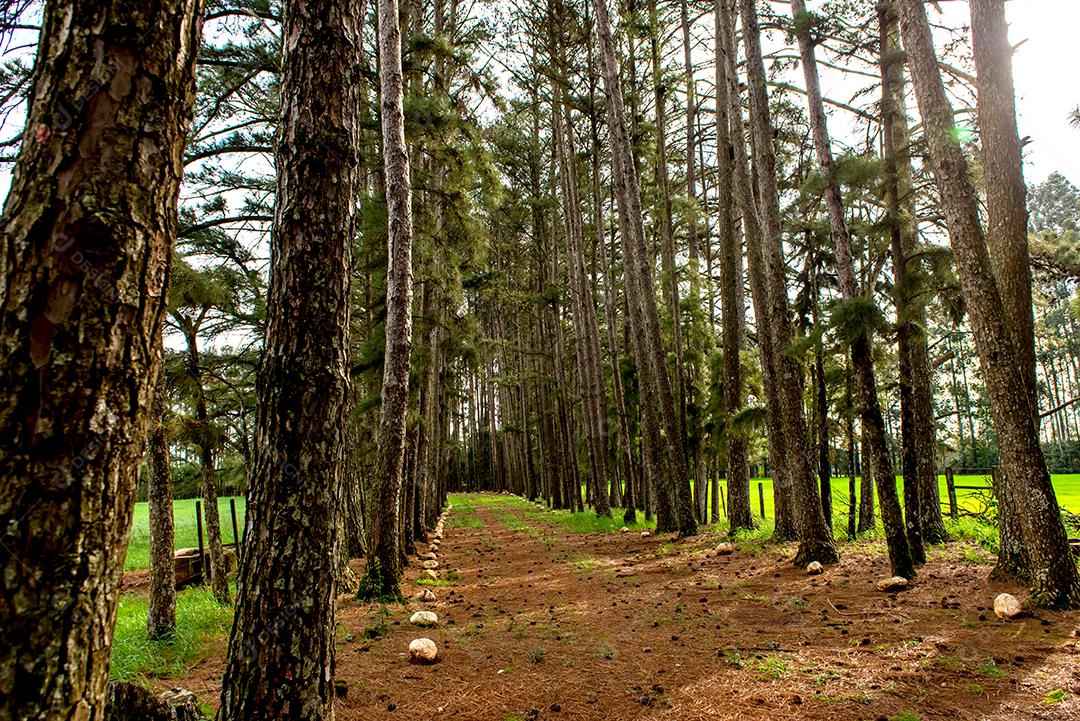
(198, 525)
(235, 528)
(950, 483)
(761, 498)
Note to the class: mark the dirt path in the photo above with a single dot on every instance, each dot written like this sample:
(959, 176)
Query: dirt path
(537, 622)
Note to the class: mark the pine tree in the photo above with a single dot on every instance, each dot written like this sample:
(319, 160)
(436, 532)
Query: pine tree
(281, 650)
(88, 228)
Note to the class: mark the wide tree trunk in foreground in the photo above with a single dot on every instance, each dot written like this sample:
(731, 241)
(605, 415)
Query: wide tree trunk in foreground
(87, 232)
(1006, 232)
(1051, 569)
(161, 612)
(381, 578)
(873, 422)
(815, 538)
(281, 651)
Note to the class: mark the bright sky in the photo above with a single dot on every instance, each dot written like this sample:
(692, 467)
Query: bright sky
(1045, 70)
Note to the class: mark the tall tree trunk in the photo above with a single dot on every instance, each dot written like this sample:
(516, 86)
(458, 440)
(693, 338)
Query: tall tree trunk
(821, 407)
(281, 651)
(1051, 570)
(849, 412)
(873, 423)
(586, 329)
(667, 458)
(1006, 232)
(381, 577)
(626, 446)
(815, 539)
(219, 576)
(669, 276)
(738, 470)
(88, 227)
(866, 486)
(783, 504)
(694, 362)
(161, 610)
(916, 376)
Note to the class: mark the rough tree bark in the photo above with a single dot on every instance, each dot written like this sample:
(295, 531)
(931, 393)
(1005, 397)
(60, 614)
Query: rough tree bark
(161, 611)
(586, 327)
(219, 576)
(695, 360)
(668, 274)
(1006, 232)
(917, 434)
(815, 539)
(87, 229)
(381, 577)
(665, 454)
(281, 650)
(873, 422)
(784, 523)
(1051, 569)
(738, 471)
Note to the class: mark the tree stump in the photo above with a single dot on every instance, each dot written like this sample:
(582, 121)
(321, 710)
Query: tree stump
(129, 702)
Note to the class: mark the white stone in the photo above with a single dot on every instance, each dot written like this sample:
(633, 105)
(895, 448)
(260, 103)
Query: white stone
(645, 534)
(894, 583)
(1007, 606)
(423, 651)
(725, 549)
(426, 595)
(814, 568)
(428, 573)
(430, 564)
(624, 529)
(431, 556)
(425, 619)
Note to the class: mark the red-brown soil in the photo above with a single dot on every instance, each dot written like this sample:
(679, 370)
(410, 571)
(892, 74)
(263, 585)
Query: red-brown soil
(540, 623)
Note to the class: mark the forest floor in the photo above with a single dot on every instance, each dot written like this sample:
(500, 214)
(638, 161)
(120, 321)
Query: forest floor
(540, 622)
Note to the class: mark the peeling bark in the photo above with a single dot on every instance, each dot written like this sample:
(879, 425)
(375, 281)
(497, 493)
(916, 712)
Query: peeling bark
(87, 229)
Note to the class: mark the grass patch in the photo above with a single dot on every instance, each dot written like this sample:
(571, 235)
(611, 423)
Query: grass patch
(513, 523)
(905, 716)
(772, 667)
(464, 521)
(201, 623)
(585, 564)
(990, 669)
(425, 581)
(732, 657)
(1055, 697)
(185, 533)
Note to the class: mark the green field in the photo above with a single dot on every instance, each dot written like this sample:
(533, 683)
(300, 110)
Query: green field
(186, 534)
(1067, 487)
